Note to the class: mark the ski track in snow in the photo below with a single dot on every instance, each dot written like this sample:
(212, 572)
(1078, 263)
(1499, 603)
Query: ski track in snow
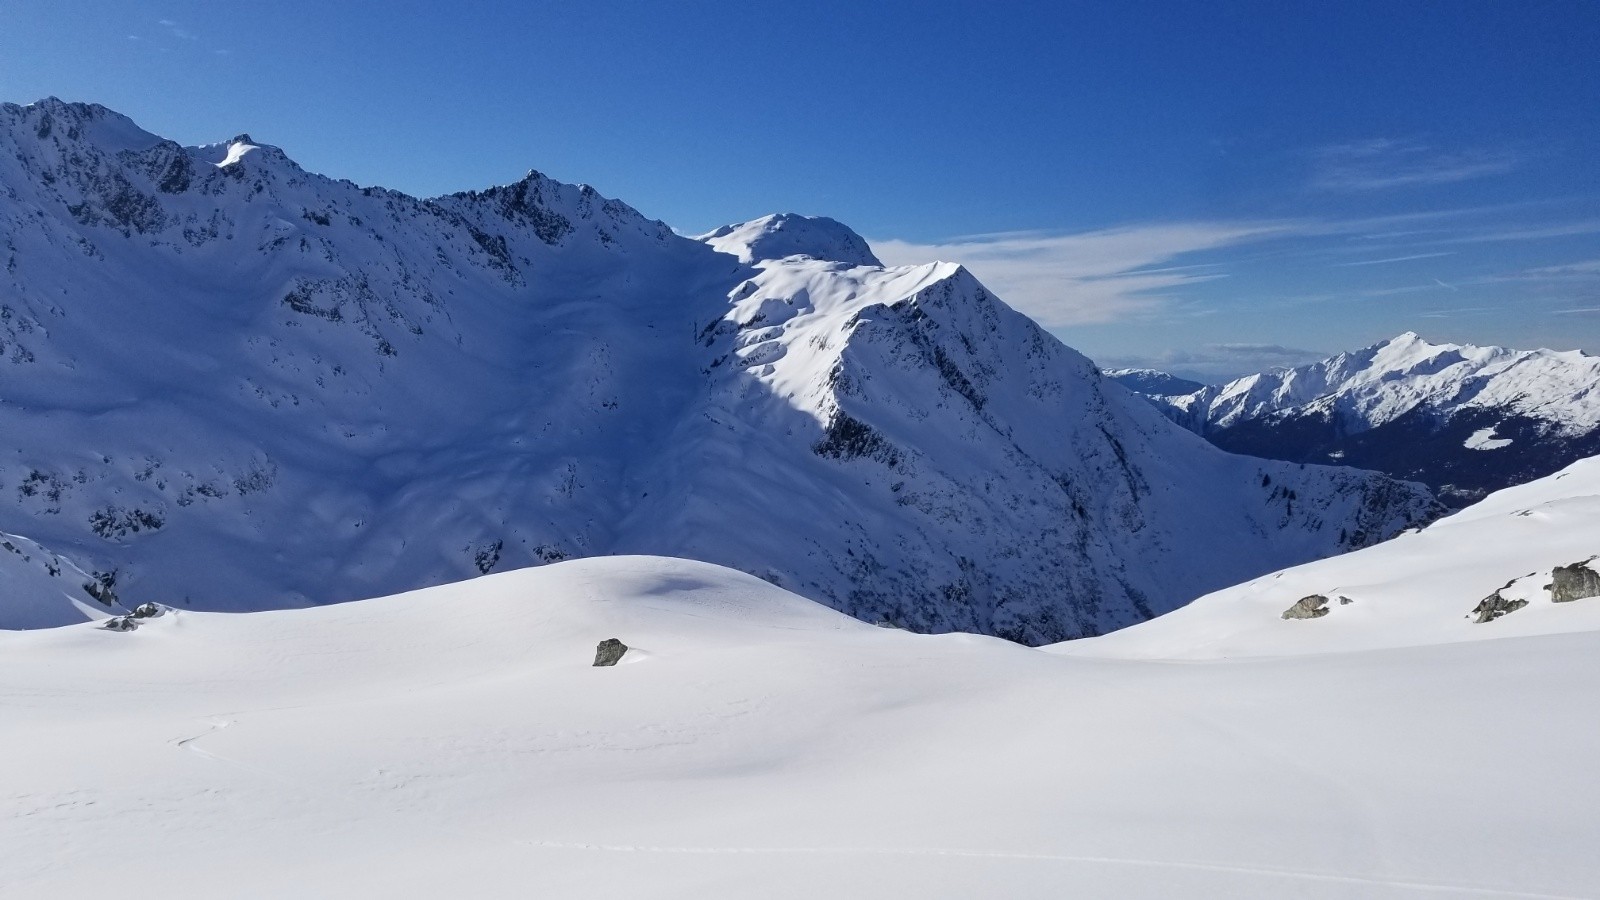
(217, 725)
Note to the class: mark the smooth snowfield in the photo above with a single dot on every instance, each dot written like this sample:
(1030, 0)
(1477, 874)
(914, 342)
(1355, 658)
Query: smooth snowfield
(456, 741)
(1418, 588)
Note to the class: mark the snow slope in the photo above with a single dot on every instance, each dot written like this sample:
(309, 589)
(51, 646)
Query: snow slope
(1465, 420)
(234, 384)
(456, 741)
(1419, 588)
(40, 589)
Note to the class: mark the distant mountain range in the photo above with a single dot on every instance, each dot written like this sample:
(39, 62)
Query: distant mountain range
(1464, 420)
(230, 383)
(1153, 382)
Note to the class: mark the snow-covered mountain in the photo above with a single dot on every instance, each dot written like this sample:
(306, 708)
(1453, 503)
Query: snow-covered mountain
(458, 741)
(1464, 420)
(778, 236)
(1153, 382)
(1524, 561)
(230, 383)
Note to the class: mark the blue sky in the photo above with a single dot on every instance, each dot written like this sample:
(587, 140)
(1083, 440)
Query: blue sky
(1206, 187)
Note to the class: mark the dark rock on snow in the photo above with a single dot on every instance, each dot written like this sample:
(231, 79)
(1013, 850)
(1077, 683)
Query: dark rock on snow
(1574, 582)
(1494, 606)
(1310, 607)
(609, 651)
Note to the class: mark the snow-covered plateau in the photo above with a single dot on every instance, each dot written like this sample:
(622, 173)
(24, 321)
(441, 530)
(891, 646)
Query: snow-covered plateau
(231, 384)
(1464, 420)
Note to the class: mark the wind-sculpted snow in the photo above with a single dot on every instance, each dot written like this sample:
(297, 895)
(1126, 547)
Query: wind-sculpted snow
(459, 742)
(1464, 420)
(234, 384)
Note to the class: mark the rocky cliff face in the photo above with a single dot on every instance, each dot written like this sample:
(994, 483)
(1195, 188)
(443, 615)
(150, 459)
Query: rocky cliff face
(235, 384)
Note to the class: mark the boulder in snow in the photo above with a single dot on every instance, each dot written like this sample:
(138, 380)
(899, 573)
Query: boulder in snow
(1574, 582)
(609, 651)
(1310, 607)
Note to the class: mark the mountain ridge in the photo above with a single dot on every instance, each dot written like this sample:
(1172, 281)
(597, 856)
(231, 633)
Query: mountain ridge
(241, 385)
(1466, 420)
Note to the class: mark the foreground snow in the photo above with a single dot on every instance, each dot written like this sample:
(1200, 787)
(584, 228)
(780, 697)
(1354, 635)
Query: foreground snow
(457, 741)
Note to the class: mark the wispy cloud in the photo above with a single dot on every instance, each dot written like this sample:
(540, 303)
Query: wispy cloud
(1458, 312)
(1392, 259)
(1547, 232)
(1090, 277)
(1140, 272)
(169, 35)
(177, 31)
(1581, 267)
(1383, 163)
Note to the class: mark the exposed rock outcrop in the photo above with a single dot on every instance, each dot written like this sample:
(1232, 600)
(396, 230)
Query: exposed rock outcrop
(609, 651)
(1312, 607)
(1574, 582)
(1494, 606)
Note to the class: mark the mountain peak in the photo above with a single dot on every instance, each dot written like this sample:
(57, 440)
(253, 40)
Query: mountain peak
(239, 148)
(55, 118)
(783, 235)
